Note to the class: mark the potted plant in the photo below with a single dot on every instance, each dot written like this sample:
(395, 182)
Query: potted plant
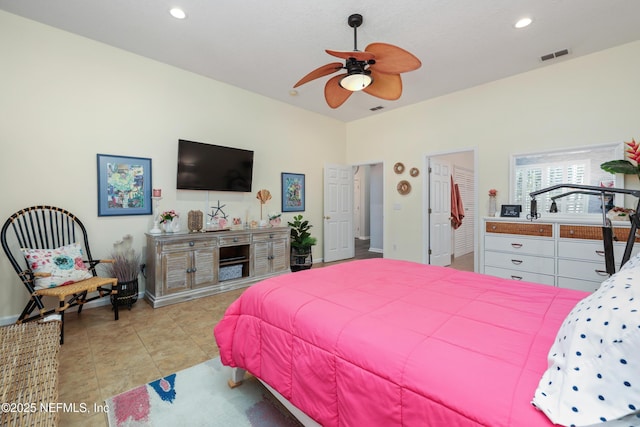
(124, 266)
(301, 243)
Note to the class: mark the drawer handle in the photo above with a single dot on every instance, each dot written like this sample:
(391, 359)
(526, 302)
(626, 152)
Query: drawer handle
(601, 253)
(516, 261)
(601, 273)
(493, 227)
(235, 239)
(271, 236)
(192, 243)
(516, 277)
(516, 245)
(571, 232)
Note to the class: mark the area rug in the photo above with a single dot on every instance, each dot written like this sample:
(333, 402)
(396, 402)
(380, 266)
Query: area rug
(198, 396)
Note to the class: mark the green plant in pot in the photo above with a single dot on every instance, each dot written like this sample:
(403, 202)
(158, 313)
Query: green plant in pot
(301, 243)
(124, 266)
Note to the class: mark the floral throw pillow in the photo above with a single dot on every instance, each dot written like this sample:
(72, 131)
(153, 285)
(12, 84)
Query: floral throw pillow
(64, 264)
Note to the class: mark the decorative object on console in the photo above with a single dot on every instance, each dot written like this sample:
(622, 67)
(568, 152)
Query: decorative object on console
(414, 172)
(195, 221)
(157, 192)
(293, 192)
(625, 166)
(124, 185)
(301, 243)
(263, 196)
(275, 219)
(169, 221)
(493, 207)
(125, 266)
(398, 168)
(404, 187)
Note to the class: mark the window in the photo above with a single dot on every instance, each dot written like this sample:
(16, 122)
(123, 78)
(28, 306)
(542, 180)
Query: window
(531, 172)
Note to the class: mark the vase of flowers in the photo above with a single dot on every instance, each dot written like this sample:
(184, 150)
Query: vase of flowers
(275, 219)
(169, 221)
(626, 166)
(493, 206)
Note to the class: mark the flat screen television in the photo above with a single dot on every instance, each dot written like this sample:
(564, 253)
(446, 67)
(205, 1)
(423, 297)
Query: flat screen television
(213, 167)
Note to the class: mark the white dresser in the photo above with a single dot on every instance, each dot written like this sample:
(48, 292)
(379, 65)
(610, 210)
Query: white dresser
(563, 252)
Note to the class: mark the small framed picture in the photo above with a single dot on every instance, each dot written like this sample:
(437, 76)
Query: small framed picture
(292, 192)
(511, 210)
(124, 185)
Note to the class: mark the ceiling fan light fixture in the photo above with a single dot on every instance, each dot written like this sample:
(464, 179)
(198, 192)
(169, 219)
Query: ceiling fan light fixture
(356, 81)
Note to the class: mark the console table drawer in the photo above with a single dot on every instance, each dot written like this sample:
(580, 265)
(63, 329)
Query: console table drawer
(518, 244)
(593, 271)
(234, 240)
(522, 276)
(267, 237)
(534, 264)
(188, 244)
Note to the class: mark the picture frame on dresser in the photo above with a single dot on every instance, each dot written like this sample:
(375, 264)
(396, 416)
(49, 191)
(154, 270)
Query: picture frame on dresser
(124, 185)
(510, 211)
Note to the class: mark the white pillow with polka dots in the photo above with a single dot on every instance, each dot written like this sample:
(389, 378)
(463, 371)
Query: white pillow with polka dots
(594, 363)
(633, 262)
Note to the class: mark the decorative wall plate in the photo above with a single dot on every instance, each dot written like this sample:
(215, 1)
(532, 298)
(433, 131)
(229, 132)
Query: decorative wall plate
(414, 172)
(398, 168)
(404, 187)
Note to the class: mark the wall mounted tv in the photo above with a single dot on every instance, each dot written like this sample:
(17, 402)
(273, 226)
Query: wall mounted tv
(213, 167)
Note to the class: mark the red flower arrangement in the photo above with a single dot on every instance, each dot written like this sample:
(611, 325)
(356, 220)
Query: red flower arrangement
(493, 192)
(625, 166)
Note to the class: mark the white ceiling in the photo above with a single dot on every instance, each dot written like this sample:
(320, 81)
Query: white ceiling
(265, 46)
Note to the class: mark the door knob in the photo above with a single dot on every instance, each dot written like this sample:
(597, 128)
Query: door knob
(327, 217)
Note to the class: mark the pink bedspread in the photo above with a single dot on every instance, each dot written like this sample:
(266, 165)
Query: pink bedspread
(384, 342)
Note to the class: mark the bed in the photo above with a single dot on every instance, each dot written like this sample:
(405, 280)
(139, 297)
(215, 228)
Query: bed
(387, 342)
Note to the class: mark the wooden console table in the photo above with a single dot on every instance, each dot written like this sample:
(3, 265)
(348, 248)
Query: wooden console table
(185, 266)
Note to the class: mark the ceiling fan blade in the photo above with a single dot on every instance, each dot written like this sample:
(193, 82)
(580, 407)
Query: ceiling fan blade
(385, 86)
(392, 59)
(325, 70)
(358, 55)
(335, 94)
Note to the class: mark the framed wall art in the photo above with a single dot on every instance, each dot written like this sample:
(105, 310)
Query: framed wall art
(124, 185)
(292, 192)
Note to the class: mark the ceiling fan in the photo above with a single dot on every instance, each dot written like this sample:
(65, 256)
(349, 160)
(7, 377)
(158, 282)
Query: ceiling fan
(375, 71)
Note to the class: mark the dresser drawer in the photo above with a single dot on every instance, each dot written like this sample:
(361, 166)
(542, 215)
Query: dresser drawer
(590, 250)
(518, 262)
(580, 285)
(522, 276)
(520, 245)
(592, 271)
(520, 228)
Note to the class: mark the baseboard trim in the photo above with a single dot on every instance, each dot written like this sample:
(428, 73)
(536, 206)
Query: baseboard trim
(100, 302)
(376, 250)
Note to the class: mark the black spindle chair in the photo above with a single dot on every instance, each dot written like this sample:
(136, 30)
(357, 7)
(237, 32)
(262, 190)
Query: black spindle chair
(48, 227)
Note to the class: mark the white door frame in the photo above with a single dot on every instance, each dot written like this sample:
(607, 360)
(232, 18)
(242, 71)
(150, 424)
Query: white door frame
(425, 203)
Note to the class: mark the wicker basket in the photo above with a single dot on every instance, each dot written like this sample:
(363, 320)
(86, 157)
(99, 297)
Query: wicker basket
(522, 228)
(127, 293)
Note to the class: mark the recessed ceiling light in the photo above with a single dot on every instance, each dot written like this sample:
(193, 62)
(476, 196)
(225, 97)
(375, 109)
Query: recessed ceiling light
(524, 22)
(178, 13)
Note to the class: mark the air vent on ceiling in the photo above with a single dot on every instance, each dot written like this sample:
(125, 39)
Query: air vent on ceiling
(554, 55)
(379, 107)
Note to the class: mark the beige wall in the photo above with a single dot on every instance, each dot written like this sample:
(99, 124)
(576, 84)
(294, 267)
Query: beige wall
(65, 98)
(583, 101)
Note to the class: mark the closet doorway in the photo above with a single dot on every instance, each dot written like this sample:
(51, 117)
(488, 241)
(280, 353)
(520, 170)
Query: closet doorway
(463, 253)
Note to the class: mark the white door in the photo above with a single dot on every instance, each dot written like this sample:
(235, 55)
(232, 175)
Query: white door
(338, 212)
(439, 212)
